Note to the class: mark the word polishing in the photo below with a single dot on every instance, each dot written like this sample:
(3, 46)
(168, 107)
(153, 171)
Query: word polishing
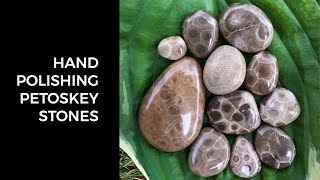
(63, 98)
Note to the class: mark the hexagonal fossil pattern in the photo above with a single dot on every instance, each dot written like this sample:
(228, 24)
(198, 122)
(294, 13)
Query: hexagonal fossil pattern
(246, 27)
(274, 147)
(200, 31)
(209, 154)
(279, 108)
(262, 73)
(171, 112)
(234, 113)
(244, 161)
(172, 48)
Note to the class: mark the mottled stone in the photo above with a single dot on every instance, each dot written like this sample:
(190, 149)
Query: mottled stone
(225, 70)
(279, 108)
(274, 147)
(262, 73)
(246, 27)
(234, 113)
(244, 161)
(209, 154)
(172, 48)
(200, 31)
(171, 112)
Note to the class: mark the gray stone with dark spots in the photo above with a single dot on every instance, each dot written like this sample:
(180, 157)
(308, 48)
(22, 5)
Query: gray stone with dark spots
(234, 113)
(200, 32)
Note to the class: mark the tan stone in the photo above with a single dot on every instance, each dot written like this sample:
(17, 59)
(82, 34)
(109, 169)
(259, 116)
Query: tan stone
(171, 113)
(234, 113)
(279, 108)
(246, 27)
(244, 160)
(224, 70)
(200, 31)
(209, 154)
(262, 73)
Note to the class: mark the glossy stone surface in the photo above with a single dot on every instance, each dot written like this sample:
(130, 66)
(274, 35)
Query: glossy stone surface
(244, 161)
(234, 113)
(262, 73)
(209, 154)
(200, 31)
(224, 70)
(279, 108)
(274, 147)
(172, 48)
(246, 27)
(171, 112)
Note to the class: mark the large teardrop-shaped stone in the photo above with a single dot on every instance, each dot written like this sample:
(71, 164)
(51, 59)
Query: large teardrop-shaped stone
(209, 154)
(171, 113)
(244, 160)
(234, 113)
(274, 147)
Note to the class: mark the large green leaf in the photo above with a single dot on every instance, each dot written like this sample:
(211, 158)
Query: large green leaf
(296, 44)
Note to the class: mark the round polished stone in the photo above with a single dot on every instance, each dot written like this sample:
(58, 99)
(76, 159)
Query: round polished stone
(171, 112)
(274, 147)
(225, 70)
(209, 154)
(279, 108)
(244, 161)
(172, 48)
(200, 31)
(234, 113)
(246, 27)
(262, 73)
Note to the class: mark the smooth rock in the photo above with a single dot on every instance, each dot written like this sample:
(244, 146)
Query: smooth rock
(274, 147)
(234, 113)
(246, 27)
(225, 70)
(262, 73)
(279, 108)
(172, 48)
(171, 112)
(200, 31)
(244, 161)
(209, 154)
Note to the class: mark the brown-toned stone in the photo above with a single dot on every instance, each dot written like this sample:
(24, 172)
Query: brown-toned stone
(209, 154)
(262, 73)
(279, 108)
(200, 31)
(171, 113)
(172, 48)
(274, 147)
(246, 27)
(237, 113)
(244, 161)
(225, 70)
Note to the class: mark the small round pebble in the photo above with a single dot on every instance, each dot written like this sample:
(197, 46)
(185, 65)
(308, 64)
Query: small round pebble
(246, 27)
(172, 48)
